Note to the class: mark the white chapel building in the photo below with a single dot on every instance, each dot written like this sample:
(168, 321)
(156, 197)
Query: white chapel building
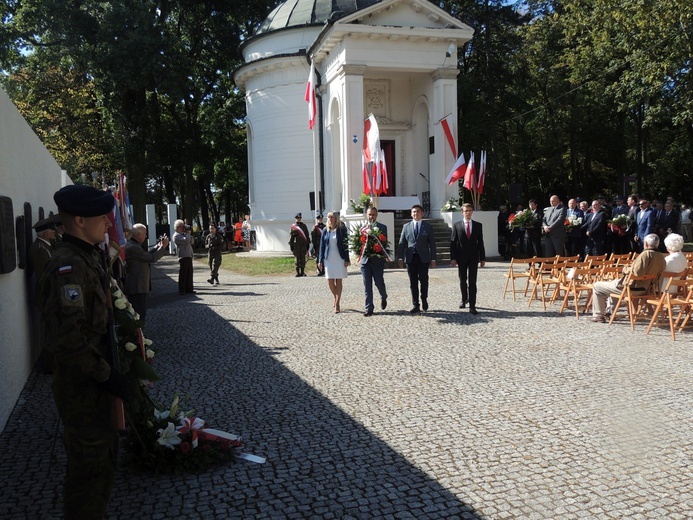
(395, 59)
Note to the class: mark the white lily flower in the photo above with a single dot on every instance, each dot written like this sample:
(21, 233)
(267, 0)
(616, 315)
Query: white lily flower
(148, 342)
(161, 415)
(137, 316)
(168, 437)
(118, 293)
(150, 353)
(130, 346)
(120, 303)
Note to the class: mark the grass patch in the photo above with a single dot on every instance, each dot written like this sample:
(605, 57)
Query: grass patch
(258, 266)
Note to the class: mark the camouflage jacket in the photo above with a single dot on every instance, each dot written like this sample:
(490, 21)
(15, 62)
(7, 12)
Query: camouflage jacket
(73, 303)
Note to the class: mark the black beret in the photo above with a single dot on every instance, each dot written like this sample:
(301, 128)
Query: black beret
(44, 224)
(83, 201)
(298, 215)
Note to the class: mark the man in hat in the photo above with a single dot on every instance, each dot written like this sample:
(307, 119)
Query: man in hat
(315, 236)
(299, 240)
(72, 298)
(41, 249)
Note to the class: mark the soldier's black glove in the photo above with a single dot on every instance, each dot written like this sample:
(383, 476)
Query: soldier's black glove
(117, 384)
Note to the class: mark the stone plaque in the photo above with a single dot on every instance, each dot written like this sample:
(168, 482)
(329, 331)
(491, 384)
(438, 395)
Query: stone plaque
(377, 93)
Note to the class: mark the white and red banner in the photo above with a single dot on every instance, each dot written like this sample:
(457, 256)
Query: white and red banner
(310, 96)
(458, 170)
(447, 130)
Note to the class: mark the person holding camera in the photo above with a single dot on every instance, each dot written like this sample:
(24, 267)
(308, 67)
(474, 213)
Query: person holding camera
(183, 240)
(138, 262)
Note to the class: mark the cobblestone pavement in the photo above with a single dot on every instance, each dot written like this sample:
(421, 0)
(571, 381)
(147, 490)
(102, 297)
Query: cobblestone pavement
(514, 413)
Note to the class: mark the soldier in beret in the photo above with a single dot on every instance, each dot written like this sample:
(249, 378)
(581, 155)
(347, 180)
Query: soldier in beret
(72, 299)
(41, 249)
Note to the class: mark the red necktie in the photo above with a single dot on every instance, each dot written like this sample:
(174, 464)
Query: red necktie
(469, 233)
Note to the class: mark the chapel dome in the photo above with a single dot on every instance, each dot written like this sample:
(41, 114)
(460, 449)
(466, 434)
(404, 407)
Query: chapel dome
(296, 13)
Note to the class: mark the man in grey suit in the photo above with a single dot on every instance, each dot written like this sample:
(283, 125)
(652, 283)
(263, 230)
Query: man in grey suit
(553, 225)
(419, 244)
(137, 262)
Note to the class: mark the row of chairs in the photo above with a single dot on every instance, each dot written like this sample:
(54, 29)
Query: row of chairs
(570, 281)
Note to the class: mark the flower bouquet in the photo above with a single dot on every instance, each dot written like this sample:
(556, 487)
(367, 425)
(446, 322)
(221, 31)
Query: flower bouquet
(572, 222)
(160, 439)
(522, 219)
(619, 224)
(369, 242)
(450, 206)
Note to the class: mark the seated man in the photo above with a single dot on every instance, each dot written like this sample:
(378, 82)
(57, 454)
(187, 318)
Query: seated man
(650, 261)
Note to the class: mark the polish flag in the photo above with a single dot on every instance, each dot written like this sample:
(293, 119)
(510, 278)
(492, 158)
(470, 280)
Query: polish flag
(482, 174)
(457, 171)
(470, 175)
(366, 177)
(310, 96)
(448, 135)
(371, 139)
(381, 184)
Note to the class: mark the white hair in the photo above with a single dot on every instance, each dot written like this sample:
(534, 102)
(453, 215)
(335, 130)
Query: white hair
(673, 242)
(178, 223)
(651, 241)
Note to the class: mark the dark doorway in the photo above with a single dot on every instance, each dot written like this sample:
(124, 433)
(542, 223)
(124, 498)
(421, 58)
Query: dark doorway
(388, 148)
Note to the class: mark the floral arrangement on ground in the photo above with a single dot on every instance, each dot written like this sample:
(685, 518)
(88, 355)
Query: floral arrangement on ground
(522, 219)
(450, 206)
(369, 242)
(160, 438)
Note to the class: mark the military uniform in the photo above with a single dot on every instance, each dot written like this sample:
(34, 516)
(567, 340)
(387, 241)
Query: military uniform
(299, 240)
(315, 236)
(214, 243)
(73, 302)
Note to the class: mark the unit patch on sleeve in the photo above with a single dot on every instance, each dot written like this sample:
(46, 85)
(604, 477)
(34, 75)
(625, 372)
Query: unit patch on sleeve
(72, 296)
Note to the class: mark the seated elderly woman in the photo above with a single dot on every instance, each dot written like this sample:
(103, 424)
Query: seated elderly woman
(676, 261)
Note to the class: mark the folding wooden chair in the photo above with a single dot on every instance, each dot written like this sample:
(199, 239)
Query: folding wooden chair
(621, 260)
(541, 267)
(519, 268)
(563, 274)
(681, 296)
(549, 279)
(581, 281)
(636, 291)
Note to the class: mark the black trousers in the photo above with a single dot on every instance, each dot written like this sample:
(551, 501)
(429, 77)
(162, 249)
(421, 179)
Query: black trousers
(185, 275)
(418, 273)
(467, 272)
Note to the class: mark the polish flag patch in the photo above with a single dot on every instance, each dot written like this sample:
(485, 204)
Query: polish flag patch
(66, 269)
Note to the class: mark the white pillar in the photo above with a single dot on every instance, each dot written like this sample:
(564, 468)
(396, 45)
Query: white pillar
(353, 125)
(151, 225)
(172, 214)
(444, 103)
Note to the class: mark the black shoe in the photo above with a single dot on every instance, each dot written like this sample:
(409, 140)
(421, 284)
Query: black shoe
(216, 282)
(210, 281)
(367, 313)
(463, 305)
(383, 303)
(298, 275)
(424, 304)
(415, 309)
(472, 310)
(191, 292)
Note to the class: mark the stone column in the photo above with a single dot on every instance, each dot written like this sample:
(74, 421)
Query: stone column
(352, 125)
(444, 103)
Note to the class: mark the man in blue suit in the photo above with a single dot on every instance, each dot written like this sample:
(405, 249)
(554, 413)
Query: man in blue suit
(419, 245)
(468, 254)
(372, 268)
(646, 223)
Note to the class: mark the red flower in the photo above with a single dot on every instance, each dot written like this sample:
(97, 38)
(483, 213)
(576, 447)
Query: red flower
(184, 447)
(512, 217)
(363, 238)
(377, 248)
(566, 222)
(382, 237)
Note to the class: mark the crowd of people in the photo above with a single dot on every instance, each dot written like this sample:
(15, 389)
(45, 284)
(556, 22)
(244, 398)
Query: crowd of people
(598, 227)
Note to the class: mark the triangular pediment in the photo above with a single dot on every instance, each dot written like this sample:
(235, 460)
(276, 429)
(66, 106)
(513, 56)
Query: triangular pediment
(406, 14)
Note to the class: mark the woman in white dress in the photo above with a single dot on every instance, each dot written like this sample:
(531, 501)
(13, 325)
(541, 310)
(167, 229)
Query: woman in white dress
(334, 256)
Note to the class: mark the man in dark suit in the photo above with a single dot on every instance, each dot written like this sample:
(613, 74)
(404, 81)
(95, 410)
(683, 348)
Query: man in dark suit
(668, 223)
(419, 245)
(137, 262)
(646, 223)
(554, 226)
(534, 232)
(467, 253)
(595, 230)
(372, 268)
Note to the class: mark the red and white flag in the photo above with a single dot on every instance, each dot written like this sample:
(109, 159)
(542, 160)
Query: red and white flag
(366, 175)
(371, 139)
(310, 96)
(381, 184)
(482, 174)
(457, 171)
(470, 175)
(448, 135)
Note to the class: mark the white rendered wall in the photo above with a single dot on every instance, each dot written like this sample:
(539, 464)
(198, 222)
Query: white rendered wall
(28, 173)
